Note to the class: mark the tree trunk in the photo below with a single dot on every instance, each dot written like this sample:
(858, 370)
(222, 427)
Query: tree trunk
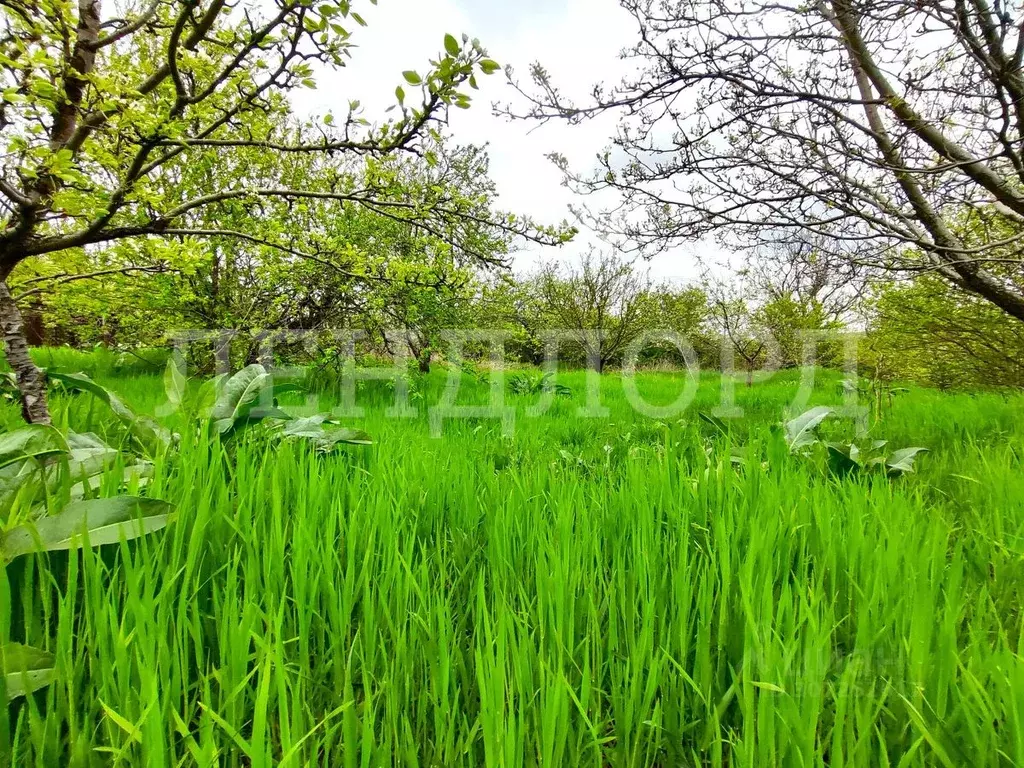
(31, 383)
(424, 361)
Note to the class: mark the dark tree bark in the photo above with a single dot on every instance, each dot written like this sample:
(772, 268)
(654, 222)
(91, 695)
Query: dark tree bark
(115, 137)
(31, 381)
(424, 361)
(890, 131)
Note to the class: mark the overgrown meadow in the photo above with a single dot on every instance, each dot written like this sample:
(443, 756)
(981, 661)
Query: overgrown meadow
(613, 590)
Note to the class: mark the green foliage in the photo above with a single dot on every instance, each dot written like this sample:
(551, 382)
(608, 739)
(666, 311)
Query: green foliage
(850, 458)
(312, 429)
(924, 330)
(48, 483)
(795, 326)
(31, 443)
(148, 436)
(92, 522)
(25, 669)
(844, 459)
(250, 397)
(716, 424)
(534, 384)
(475, 587)
(244, 398)
(800, 430)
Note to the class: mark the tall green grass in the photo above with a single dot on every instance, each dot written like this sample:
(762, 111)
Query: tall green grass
(607, 591)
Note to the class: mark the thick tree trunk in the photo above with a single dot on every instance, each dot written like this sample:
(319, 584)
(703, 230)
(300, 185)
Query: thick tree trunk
(30, 379)
(424, 361)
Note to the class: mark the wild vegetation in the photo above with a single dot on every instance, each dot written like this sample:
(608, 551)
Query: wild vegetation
(614, 590)
(300, 466)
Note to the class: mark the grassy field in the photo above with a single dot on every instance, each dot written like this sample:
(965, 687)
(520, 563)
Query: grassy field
(595, 591)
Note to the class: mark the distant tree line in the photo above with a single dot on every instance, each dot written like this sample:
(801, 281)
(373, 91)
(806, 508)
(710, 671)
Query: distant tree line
(790, 307)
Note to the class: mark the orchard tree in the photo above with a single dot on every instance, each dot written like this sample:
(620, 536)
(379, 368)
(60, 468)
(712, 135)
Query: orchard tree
(107, 109)
(512, 305)
(421, 282)
(741, 334)
(799, 329)
(926, 331)
(800, 268)
(893, 130)
(686, 312)
(603, 304)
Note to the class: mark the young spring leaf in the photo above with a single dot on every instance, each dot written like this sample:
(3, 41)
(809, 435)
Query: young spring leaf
(36, 441)
(800, 431)
(239, 397)
(451, 45)
(902, 461)
(175, 384)
(103, 521)
(25, 669)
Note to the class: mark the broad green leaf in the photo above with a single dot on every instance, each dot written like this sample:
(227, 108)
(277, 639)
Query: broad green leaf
(800, 431)
(489, 67)
(451, 45)
(139, 473)
(23, 477)
(269, 412)
(841, 458)
(25, 669)
(311, 428)
(239, 395)
(88, 456)
(307, 426)
(175, 384)
(35, 441)
(411, 77)
(148, 435)
(208, 394)
(103, 521)
(331, 438)
(902, 461)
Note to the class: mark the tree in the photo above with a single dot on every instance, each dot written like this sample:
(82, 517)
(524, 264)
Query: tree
(926, 331)
(602, 304)
(798, 268)
(738, 326)
(512, 304)
(896, 127)
(684, 311)
(797, 328)
(109, 118)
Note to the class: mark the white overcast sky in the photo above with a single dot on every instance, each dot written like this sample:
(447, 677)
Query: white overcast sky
(578, 41)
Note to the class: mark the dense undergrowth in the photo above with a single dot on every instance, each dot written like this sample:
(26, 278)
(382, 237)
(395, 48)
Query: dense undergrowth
(611, 590)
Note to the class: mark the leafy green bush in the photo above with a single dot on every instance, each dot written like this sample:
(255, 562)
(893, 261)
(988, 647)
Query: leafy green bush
(846, 458)
(48, 502)
(535, 384)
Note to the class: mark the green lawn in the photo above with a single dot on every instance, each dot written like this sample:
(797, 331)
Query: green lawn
(596, 591)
